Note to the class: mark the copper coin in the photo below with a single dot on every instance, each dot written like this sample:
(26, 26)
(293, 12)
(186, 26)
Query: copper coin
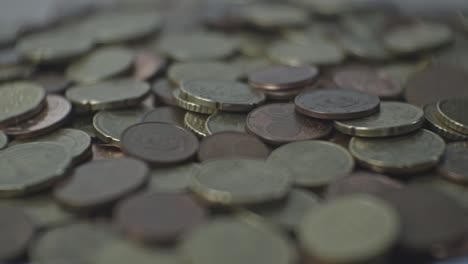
(158, 217)
(51, 118)
(361, 182)
(53, 83)
(428, 217)
(166, 114)
(280, 77)
(17, 231)
(100, 183)
(159, 143)
(337, 104)
(101, 151)
(148, 64)
(454, 165)
(279, 124)
(436, 83)
(367, 80)
(232, 145)
(162, 92)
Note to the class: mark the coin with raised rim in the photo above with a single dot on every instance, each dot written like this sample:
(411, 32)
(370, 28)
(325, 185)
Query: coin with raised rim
(196, 123)
(224, 121)
(436, 125)
(191, 107)
(454, 113)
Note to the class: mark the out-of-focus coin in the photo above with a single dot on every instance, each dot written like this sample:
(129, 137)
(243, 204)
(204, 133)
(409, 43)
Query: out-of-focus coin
(313, 163)
(148, 65)
(225, 145)
(289, 53)
(186, 71)
(337, 104)
(454, 165)
(3, 140)
(436, 83)
(159, 143)
(436, 125)
(398, 72)
(198, 46)
(415, 152)
(191, 107)
(15, 72)
(362, 182)
(166, 114)
(8, 33)
(20, 101)
(435, 181)
(279, 124)
(101, 64)
(117, 93)
(260, 244)
(363, 46)
(109, 124)
(162, 92)
(53, 83)
(32, 167)
(101, 183)
(17, 232)
(224, 121)
(393, 119)
(367, 80)
(223, 95)
(52, 117)
(159, 217)
(340, 139)
(248, 65)
(274, 16)
(196, 123)
(240, 182)
(173, 179)
(369, 227)
(454, 113)
(84, 123)
(102, 151)
(326, 7)
(282, 77)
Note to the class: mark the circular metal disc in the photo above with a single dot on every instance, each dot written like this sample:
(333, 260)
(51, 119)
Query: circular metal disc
(454, 113)
(281, 77)
(224, 121)
(162, 92)
(180, 72)
(166, 114)
(173, 179)
(436, 125)
(196, 123)
(17, 232)
(454, 165)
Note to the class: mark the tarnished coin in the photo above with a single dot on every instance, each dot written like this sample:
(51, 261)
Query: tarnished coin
(223, 95)
(187, 71)
(225, 145)
(393, 119)
(454, 113)
(313, 163)
(415, 152)
(260, 244)
(400, 72)
(166, 114)
(20, 101)
(159, 143)
(340, 139)
(51, 118)
(101, 183)
(17, 230)
(190, 106)
(84, 123)
(240, 182)
(159, 217)
(196, 123)
(173, 179)
(289, 53)
(148, 65)
(337, 104)
(53, 83)
(101, 64)
(109, 124)
(3, 140)
(162, 92)
(369, 227)
(102, 151)
(454, 165)
(436, 83)
(435, 181)
(367, 80)
(31, 167)
(274, 16)
(117, 93)
(198, 46)
(279, 124)
(15, 72)
(224, 121)
(282, 77)
(248, 65)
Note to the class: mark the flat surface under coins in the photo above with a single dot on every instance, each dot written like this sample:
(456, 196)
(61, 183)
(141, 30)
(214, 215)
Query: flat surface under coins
(279, 77)
(454, 165)
(17, 231)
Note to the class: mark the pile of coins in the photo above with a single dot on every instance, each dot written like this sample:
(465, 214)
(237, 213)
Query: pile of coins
(248, 131)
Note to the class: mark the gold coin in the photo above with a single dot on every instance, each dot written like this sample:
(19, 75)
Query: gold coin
(454, 113)
(436, 125)
(196, 123)
(187, 105)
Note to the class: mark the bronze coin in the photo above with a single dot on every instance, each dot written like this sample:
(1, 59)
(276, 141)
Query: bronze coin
(428, 217)
(166, 114)
(51, 118)
(100, 183)
(53, 83)
(101, 151)
(162, 92)
(366, 79)
(159, 143)
(454, 165)
(436, 83)
(148, 64)
(337, 104)
(158, 217)
(279, 124)
(232, 145)
(361, 182)
(17, 231)
(281, 77)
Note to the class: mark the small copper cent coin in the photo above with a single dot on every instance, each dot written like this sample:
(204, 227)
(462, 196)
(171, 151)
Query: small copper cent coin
(158, 217)
(159, 143)
(17, 231)
(337, 104)
(454, 165)
(279, 124)
(282, 77)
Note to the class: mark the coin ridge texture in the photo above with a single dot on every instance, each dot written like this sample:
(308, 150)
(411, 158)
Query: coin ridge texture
(454, 113)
